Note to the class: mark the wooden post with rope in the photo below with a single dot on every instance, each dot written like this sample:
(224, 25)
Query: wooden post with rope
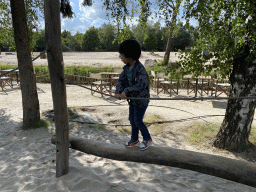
(56, 68)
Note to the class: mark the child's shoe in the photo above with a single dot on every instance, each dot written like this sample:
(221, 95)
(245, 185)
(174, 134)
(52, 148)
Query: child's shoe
(145, 144)
(132, 143)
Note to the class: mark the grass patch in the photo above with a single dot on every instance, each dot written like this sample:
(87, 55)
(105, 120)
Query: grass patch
(202, 136)
(252, 137)
(121, 130)
(73, 125)
(38, 124)
(99, 127)
(152, 118)
(155, 129)
(202, 133)
(4, 66)
(42, 71)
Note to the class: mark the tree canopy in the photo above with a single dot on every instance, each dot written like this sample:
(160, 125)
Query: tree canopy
(34, 10)
(151, 38)
(226, 28)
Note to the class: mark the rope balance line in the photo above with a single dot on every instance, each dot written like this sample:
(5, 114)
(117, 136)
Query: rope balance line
(161, 106)
(158, 122)
(23, 64)
(185, 99)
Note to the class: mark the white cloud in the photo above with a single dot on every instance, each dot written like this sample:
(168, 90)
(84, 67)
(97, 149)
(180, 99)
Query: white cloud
(75, 24)
(41, 24)
(133, 21)
(72, 4)
(93, 12)
(63, 22)
(82, 18)
(96, 23)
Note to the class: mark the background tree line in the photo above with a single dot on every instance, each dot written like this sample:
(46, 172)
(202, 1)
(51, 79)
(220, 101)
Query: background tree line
(152, 38)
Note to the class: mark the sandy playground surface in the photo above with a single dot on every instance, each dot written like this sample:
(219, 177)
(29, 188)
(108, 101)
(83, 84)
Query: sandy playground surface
(97, 59)
(27, 160)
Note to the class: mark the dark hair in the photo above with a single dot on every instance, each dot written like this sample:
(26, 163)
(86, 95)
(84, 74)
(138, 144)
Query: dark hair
(130, 48)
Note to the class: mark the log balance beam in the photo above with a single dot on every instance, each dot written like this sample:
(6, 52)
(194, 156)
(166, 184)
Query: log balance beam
(226, 168)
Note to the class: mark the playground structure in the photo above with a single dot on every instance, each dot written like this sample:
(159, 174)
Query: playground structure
(218, 166)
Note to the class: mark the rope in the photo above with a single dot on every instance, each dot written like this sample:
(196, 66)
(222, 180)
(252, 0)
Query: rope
(118, 105)
(185, 99)
(157, 122)
(23, 64)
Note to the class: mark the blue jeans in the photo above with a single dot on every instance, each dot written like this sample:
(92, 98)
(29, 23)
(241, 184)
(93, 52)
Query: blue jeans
(136, 115)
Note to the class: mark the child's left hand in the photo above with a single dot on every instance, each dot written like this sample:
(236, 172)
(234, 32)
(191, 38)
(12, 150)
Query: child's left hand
(123, 95)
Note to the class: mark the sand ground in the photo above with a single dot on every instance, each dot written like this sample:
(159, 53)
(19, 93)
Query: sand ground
(97, 59)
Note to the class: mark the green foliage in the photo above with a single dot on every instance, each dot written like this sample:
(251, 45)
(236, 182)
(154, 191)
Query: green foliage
(225, 29)
(150, 36)
(87, 2)
(34, 8)
(157, 68)
(90, 39)
(181, 38)
(39, 40)
(66, 9)
(159, 35)
(150, 41)
(123, 33)
(139, 33)
(67, 41)
(107, 36)
(78, 41)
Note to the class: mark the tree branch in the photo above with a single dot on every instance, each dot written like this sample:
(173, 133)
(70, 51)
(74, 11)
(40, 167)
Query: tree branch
(170, 5)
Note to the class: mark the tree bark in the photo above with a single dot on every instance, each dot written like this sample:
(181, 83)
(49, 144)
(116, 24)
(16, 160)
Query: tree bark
(236, 126)
(169, 42)
(30, 102)
(234, 170)
(56, 68)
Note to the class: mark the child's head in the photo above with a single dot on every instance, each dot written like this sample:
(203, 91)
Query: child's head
(130, 49)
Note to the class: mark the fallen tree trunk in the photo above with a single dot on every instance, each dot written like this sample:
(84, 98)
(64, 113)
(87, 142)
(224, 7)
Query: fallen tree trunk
(234, 170)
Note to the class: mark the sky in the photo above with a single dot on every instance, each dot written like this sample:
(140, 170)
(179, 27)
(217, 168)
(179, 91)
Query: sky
(95, 15)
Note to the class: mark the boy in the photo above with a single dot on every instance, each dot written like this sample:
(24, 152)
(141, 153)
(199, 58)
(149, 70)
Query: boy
(134, 82)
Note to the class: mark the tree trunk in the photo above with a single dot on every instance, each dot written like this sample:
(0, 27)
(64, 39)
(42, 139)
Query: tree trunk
(169, 42)
(56, 68)
(168, 49)
(31, 113)
(234, 170)
(236, 126)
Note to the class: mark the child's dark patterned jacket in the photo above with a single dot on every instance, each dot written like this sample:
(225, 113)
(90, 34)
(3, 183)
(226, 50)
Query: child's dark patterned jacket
(140, 84)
